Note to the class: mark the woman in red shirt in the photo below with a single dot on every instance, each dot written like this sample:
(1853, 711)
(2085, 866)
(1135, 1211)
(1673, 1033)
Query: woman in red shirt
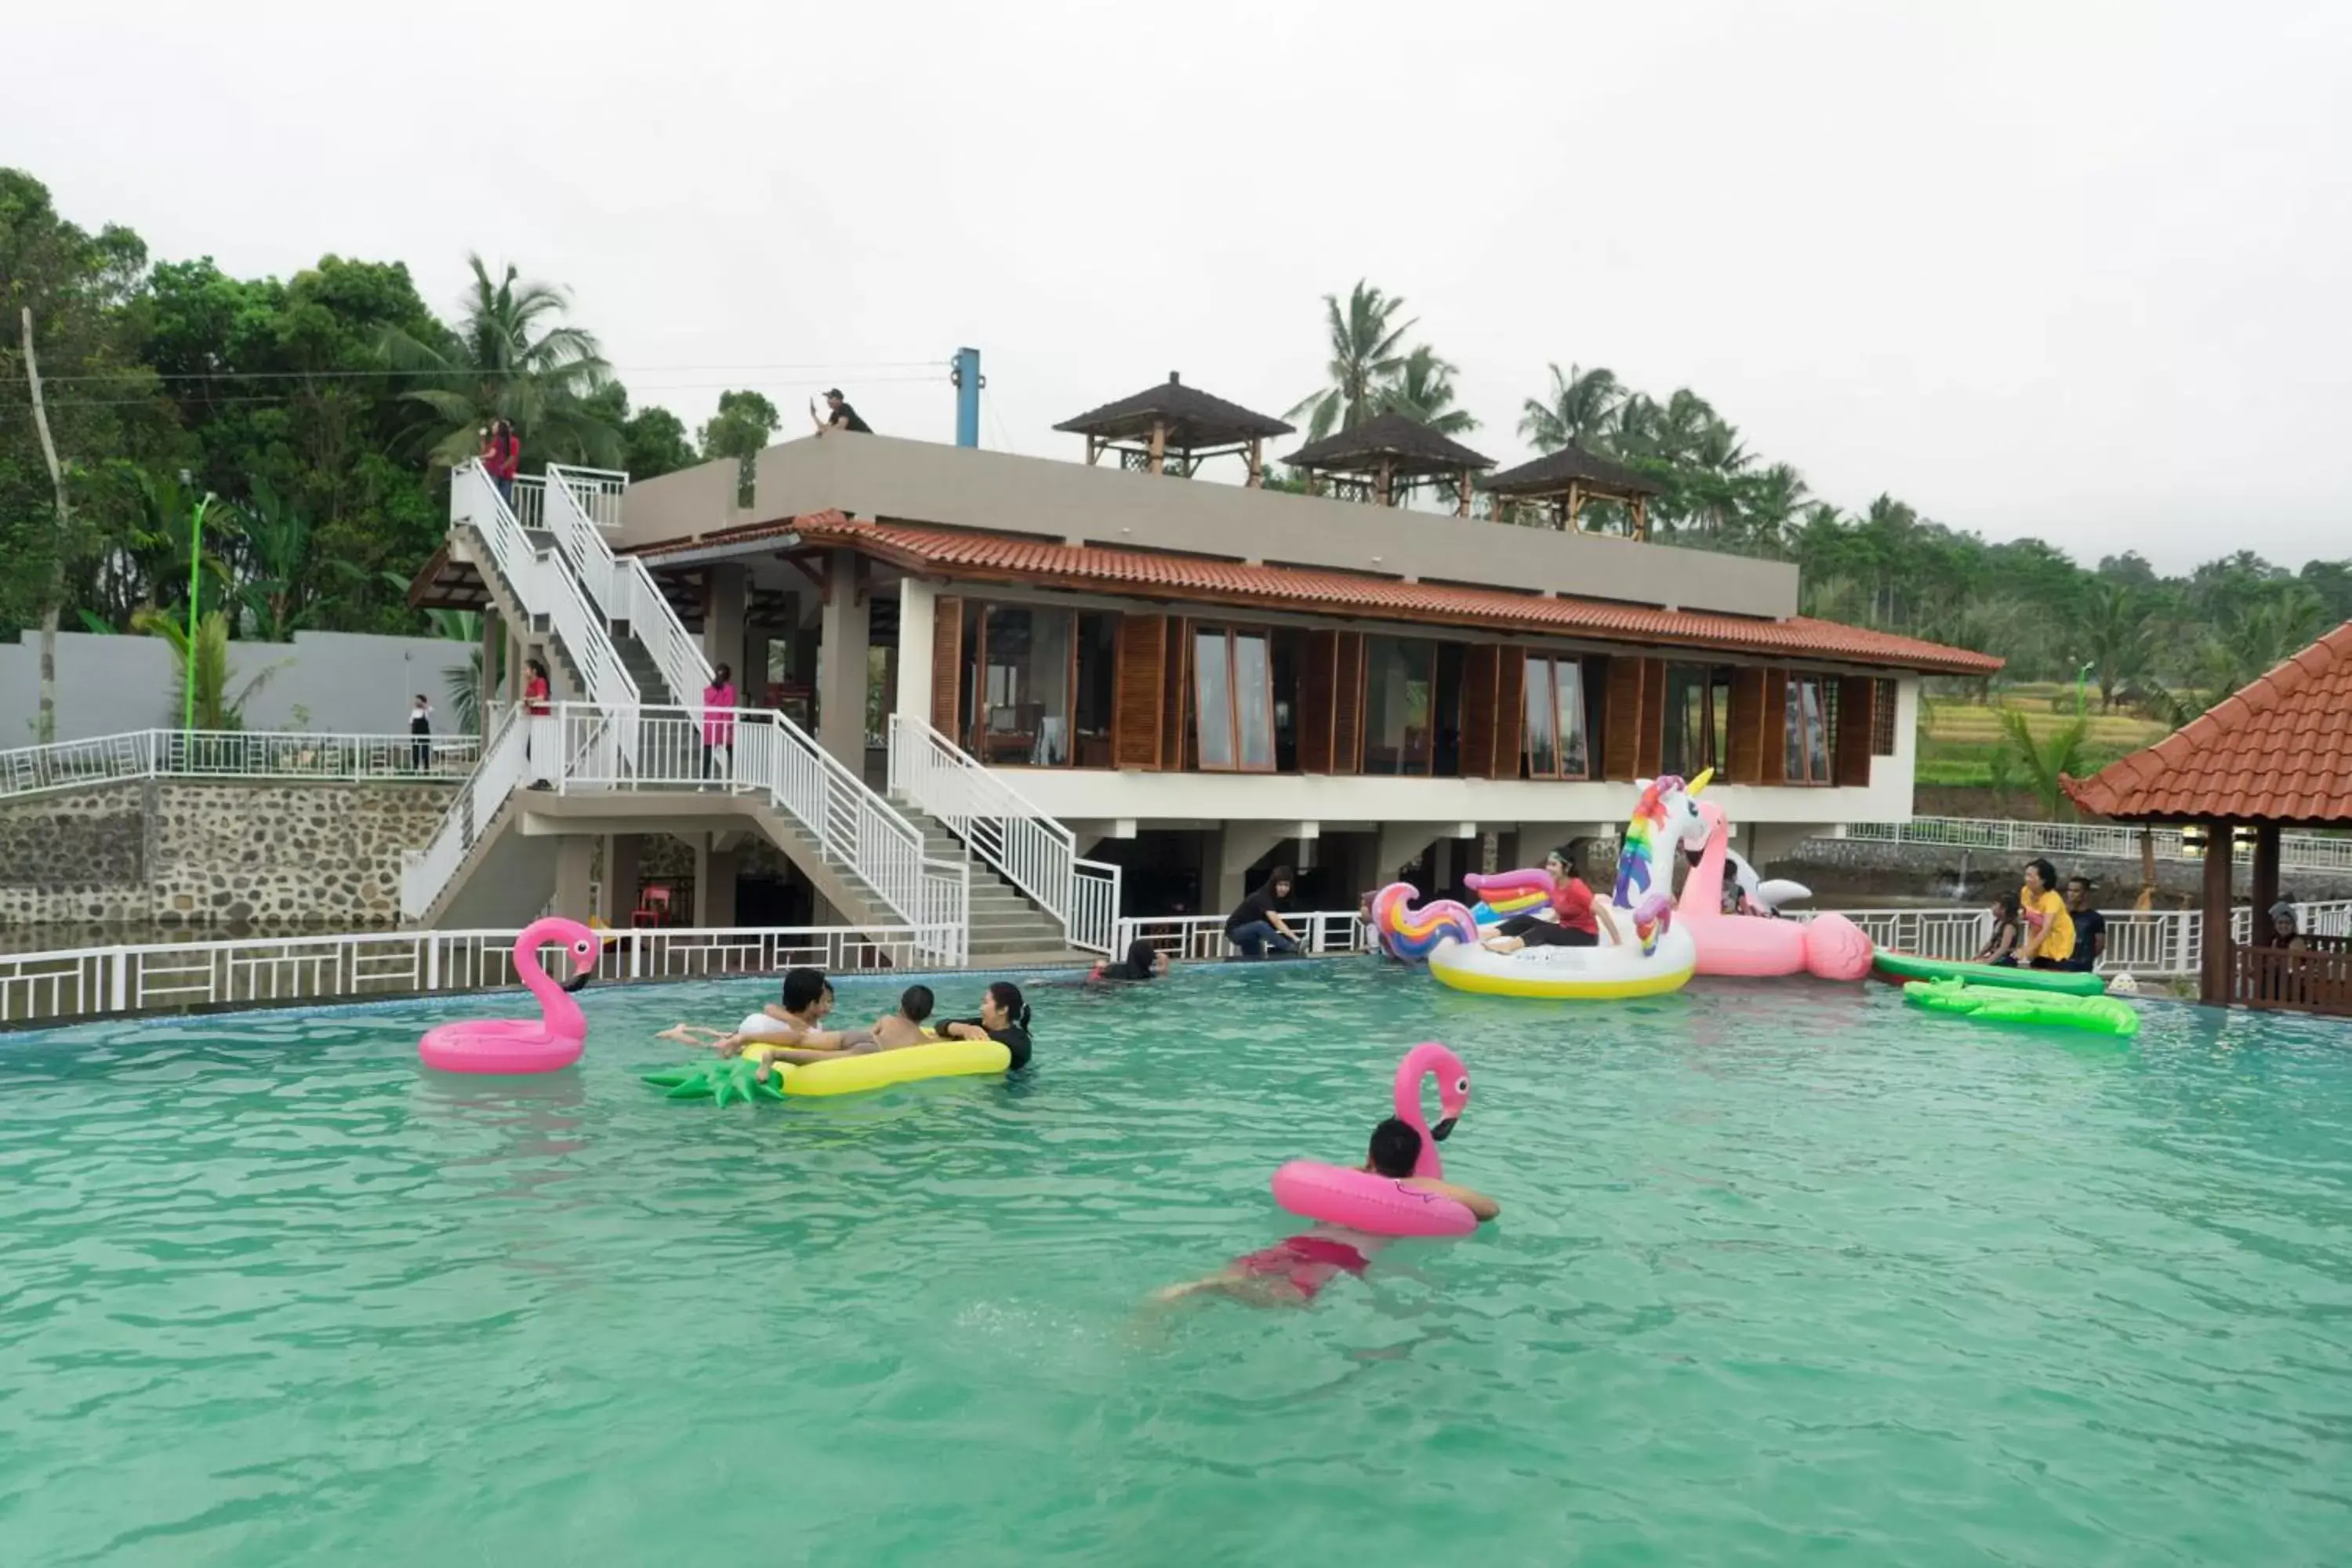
(1579, 915)
(501, 456)
(535, 711)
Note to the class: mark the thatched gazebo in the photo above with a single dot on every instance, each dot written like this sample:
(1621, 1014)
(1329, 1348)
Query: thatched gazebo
(1387, 457)
(1570, 477)
(1173, 423)
(2276, 753)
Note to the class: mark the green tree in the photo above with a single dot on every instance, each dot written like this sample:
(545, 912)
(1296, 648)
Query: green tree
(1423, 390)
(740, 430)
(2064, 751)
(1367, 357)
(215, 708)
(2115, 633)
(508, 358)
(653, 440)
(1580, 411)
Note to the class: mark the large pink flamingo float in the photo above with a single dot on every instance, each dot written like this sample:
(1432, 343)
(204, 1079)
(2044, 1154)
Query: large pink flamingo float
(1380, 1206)
(1829, 945)
(545, 1044)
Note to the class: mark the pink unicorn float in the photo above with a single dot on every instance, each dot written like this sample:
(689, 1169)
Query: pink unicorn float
(1829, 945)
(512, 1046)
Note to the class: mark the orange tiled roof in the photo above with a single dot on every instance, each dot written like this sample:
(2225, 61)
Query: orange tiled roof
(2277, 750)
(994, 557)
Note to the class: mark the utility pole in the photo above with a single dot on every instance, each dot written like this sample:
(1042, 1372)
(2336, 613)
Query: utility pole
(968, 383)
(45, 730)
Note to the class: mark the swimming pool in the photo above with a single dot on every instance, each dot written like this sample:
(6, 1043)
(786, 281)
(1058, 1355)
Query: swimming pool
(1784, 1270)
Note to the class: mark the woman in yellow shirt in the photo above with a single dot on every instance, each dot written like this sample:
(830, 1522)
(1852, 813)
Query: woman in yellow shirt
(2047, 940)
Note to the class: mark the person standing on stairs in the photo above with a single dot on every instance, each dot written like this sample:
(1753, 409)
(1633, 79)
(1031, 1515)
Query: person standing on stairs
(720, 702)
(539, 742)
(501, 456)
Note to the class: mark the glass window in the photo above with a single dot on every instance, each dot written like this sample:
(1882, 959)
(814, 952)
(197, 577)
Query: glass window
(1233, 700)
(1399, 685)
(1556, 745)
(1808, 736)
(1098, 682)
(1018, 685)
(1698, 719)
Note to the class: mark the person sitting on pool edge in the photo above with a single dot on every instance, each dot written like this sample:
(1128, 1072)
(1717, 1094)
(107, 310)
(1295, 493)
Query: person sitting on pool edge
(1256, 923)
(2048, 940)
(1003, 1017)
(1143, 962)
(1580, 915)
(807, 998)
(1292, 1271)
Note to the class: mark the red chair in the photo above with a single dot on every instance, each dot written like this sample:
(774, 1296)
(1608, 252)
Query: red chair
(653, 906)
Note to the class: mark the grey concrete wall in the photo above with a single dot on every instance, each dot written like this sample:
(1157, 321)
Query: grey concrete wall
(347, 683)
(882, 475)
(206, 853)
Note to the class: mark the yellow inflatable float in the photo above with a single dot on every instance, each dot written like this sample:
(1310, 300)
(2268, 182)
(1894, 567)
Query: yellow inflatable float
(881, 1069)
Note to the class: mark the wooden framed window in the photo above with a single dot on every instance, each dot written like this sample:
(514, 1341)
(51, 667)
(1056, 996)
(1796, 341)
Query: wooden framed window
(1233, 700)
(1881, 718)
(1806, 743)
(1400, 705)
(1555, 744)
(1697, 720)
(1034, 687)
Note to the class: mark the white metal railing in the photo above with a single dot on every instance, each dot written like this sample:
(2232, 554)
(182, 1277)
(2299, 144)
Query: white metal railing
(543, 583)
(997, 823)
(56, 987)
(2102, 840)
(765, 753)
(425, 872)
(583, 505)
(262, 754)
(1199, 937)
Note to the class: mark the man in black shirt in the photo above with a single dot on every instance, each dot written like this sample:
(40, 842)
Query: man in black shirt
(2090, 927)
(839, 416)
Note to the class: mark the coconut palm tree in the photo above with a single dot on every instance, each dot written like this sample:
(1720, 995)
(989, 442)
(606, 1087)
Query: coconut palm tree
(2114, 637)
(1424, 391)
(510, 358)
(1366, 359)
(1580, 410)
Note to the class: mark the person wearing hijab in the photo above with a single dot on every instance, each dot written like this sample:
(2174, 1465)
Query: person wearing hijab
(1143, 962)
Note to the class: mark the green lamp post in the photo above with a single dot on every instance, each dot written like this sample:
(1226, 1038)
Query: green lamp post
(195, 584)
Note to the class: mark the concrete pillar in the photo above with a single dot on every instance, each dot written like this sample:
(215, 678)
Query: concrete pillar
(714, 882)
(515, 656)
(917, 605)
(722, 622)
(575, 855)
(621, 882)
(841, 643)
(1401, 842)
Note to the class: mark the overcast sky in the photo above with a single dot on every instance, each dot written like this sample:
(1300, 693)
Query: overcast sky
(2061, 268)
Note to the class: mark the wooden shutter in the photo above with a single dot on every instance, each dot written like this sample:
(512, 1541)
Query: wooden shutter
(1510, 712)
(1745, 727)
(1621, 718)
(1348, 704)
(1177, 750)
(1141, 658)
(1650, 745)
(1480, 663)
(1857, 722)
(1319, 662)
(947, 665)
(1775, 768)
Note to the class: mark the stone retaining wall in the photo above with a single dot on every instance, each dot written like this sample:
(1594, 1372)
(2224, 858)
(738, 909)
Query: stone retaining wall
(202, 852)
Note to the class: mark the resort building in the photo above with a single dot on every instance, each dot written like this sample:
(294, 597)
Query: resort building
(1172, 683)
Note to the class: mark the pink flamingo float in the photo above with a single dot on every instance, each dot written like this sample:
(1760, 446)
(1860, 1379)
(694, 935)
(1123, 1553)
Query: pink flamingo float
(1378, 1205)
(1829, 945)
(545, 1044)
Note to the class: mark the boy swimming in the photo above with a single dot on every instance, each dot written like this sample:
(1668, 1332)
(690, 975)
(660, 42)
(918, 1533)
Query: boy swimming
(807, 998)
(1292, 1271)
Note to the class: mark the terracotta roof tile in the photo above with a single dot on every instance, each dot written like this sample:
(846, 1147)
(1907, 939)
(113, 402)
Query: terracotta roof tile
(987, 556)
(2277, 750)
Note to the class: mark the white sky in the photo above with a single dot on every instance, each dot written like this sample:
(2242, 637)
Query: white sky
(2075, 269)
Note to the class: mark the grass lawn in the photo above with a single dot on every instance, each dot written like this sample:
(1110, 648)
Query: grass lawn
(1962, 745)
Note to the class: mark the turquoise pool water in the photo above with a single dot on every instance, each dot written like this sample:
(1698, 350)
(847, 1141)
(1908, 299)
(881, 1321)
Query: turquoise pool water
(1786, 1272)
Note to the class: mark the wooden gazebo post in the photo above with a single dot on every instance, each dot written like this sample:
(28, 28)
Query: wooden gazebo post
(2213, 969)
(1159, 447)
(1256, 463)
(2266, 883)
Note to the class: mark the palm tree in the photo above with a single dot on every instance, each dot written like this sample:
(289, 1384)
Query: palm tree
(214, 708)
(509, 359)
(2043, 761)
(1768, 504)
(1578, 412)
(2115, 638)
(1365, 359)
(1424, 391)
(462, 683)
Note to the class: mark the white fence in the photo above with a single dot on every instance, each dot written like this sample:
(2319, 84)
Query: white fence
(257, 754)
(997, 823)
(56, 987)
(2102, 840)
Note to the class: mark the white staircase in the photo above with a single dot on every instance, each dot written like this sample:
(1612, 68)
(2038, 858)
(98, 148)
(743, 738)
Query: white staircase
(578, 592)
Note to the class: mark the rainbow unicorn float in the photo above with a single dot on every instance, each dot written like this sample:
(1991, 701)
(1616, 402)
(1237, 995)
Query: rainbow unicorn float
(1642, 950)
(1829, 945)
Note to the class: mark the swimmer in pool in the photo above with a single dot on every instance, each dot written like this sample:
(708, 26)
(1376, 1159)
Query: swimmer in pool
(1292, 1271)
(807, 998)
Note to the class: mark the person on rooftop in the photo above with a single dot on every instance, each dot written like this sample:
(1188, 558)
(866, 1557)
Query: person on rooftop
(839, 416)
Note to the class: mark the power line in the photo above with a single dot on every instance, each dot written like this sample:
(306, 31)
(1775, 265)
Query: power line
(12, 404)
(842, 367)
